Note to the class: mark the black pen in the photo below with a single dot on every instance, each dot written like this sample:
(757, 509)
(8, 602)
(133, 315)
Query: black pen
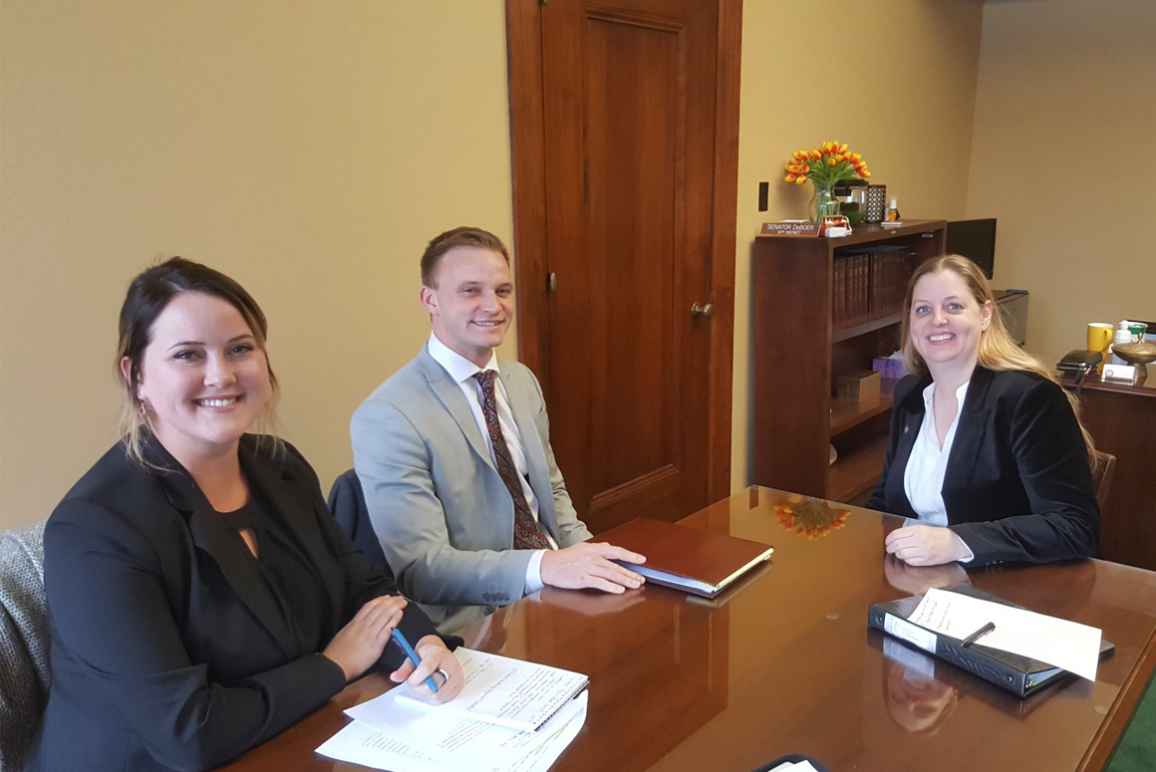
(969, 640)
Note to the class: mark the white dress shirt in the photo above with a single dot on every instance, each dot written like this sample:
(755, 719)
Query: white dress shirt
(927, 465)
(462, 371)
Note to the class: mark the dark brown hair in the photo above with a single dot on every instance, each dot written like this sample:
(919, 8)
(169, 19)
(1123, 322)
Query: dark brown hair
(462, 236)
(147, 297)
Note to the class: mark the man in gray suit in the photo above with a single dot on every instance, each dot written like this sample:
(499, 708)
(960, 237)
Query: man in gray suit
(453, 453)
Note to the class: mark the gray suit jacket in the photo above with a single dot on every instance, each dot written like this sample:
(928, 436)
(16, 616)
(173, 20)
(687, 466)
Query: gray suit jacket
(444, 517)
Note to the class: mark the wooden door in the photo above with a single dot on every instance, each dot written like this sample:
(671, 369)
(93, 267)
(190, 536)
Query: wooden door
(625, 143)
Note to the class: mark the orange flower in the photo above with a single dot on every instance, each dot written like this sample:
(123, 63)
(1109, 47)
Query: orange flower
(830, 163)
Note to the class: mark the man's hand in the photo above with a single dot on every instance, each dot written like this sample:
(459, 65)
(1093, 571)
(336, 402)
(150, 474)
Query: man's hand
(925, 545)
(590, 565)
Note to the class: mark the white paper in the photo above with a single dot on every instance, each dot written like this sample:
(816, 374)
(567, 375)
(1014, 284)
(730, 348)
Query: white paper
(901, 628)
(794, 766)
(499, 690)
(421, 739)
(1058, 642)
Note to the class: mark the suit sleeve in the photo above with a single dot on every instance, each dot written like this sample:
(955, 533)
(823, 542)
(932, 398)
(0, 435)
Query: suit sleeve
(878, 499)
(395, 467)
(571, 530)
(1052, 462)
(112, 616)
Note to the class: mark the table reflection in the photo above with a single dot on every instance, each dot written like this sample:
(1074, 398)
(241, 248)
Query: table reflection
(915, 700)
(916, 580)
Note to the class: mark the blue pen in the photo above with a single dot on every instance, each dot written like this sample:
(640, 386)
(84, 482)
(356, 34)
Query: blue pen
(399, 639)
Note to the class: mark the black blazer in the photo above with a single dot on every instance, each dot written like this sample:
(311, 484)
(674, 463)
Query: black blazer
(1018, 485)
(165, 654)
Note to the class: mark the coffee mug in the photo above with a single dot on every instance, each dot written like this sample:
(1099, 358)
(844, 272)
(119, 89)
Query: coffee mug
(1100, 336)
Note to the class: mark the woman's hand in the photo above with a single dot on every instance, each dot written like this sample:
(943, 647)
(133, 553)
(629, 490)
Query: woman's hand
(926, 545)
(438, 661)
(359, 644)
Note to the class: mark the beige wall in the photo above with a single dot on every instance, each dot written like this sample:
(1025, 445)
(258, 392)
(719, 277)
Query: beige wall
(308, 149)
(896, 80)
(1063, 154)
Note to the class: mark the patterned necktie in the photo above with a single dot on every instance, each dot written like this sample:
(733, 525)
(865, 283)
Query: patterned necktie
(527, 532)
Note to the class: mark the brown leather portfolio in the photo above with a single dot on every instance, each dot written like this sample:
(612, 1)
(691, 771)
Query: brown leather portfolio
(695, 560)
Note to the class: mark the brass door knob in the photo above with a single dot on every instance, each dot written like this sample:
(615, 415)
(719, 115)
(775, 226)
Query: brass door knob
(704, 310)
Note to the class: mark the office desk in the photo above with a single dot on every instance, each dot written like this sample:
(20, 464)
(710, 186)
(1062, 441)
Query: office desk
(786, 663)
(1122, 420)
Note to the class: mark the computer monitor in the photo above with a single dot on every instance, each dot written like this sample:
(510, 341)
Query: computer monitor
(974, 239)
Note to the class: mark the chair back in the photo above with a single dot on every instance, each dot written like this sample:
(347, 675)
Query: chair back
(347, 504)
(24, 639)
(1102, 474)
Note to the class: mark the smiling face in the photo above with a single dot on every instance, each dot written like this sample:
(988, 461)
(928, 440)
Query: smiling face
(946, 321)
(471, 302)
(204, 379)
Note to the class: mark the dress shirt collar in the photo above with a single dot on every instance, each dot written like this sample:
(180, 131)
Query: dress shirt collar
(960, 395)
(459, 368)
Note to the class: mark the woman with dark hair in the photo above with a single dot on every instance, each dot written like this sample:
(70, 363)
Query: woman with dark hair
(986, 451)
(201, 597)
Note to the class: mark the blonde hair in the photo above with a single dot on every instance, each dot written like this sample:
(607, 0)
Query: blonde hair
(147, 297)
(998, 351)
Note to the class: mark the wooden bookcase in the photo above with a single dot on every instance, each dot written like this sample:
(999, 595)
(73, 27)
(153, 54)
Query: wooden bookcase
(824, 308)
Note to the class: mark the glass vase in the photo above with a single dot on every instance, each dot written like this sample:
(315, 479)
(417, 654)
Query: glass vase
(825, 203)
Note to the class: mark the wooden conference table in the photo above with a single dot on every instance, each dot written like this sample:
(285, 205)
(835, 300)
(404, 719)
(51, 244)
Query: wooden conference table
(786, 664)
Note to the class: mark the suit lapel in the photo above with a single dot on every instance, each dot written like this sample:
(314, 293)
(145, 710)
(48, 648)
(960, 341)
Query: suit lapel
(289, 501)
(969, 434)
(449, 393)
(535, 454)
(215, 539)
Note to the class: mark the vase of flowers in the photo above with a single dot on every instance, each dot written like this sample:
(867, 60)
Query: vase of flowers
(825, 166)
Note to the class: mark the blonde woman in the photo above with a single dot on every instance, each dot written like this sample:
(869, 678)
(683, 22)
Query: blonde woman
(201, 597)
(986, 455)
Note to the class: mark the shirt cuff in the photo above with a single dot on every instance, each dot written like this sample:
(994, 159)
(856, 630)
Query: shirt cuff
(534, 573)
(970, 555)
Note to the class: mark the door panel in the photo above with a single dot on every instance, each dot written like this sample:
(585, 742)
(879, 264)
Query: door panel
(628, 158)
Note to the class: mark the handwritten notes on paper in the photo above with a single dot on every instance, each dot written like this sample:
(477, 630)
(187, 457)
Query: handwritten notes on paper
(499, 690)
(1058, 642)
(510, 715)
(421, 739)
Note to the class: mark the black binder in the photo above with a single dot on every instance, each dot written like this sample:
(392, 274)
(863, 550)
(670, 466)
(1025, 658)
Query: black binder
(1019, 675)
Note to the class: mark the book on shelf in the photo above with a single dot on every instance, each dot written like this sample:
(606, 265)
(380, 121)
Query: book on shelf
(695, 560)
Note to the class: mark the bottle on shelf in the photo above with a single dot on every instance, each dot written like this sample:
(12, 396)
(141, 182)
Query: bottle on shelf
(892, 211)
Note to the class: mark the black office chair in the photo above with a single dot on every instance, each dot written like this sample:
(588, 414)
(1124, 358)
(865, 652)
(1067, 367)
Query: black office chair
(347, 503)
